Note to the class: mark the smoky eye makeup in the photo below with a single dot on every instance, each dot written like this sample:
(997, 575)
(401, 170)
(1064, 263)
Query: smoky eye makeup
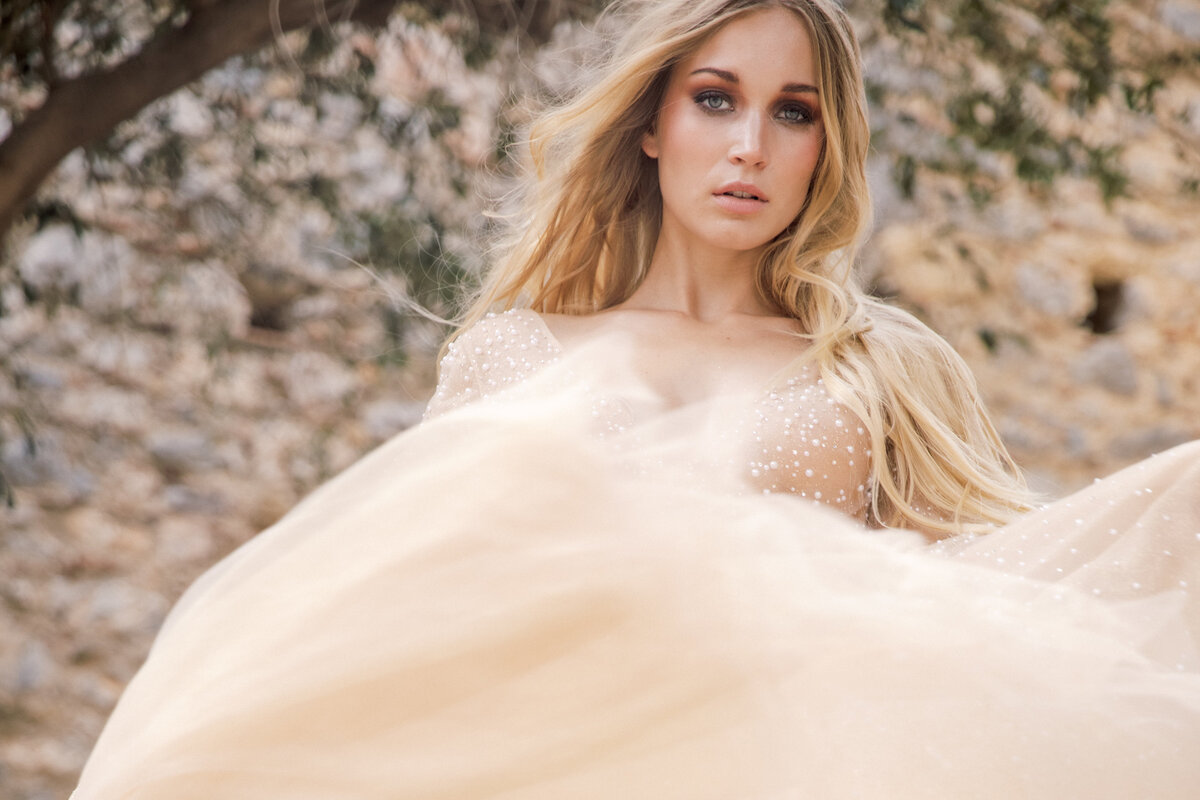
(712, 101)
(796, 112)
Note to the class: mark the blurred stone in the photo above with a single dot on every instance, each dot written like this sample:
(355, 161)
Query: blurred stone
(189, 116)
(1164, 394)
(889, 203)
(1051, 290)
(1140, 301)
(385, 418)
(315, 381)
(182, 499)
(44, 463)
(324, 305)
(202, 300)
(105, 265)
(183, 540)
(241, 384)
(117, 605)
(1145, 224)
(44, 755)
(341, 114)
(373, 183)
(35, 668)
(215, 221)
(1015, 217)
(271, 291)
(128, 356)
(181, 451)
(1151, 165)
(1144, 443)
(93, 690)
(106, 408)
(36, 374)
(1109, 364)
(235, 77)
(52, 260)
(1183, 17)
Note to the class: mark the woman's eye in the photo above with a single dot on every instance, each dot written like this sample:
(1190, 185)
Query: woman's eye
(712, 101)
(794, 113)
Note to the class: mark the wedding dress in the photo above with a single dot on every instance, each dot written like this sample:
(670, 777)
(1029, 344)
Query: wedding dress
(555, 588)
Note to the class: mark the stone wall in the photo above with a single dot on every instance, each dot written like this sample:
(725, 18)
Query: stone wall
(209, 319)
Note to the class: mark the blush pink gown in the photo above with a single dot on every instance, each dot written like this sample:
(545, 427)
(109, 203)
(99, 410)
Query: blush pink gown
(547, 592)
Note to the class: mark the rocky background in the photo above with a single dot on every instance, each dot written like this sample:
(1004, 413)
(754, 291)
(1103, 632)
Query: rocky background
(209, 315)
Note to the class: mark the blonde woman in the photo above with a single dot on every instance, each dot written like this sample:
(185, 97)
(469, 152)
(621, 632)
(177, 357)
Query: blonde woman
(704, 202)
(626, 554)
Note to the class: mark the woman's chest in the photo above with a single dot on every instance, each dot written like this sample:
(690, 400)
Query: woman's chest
(793, 438)
(717, 421)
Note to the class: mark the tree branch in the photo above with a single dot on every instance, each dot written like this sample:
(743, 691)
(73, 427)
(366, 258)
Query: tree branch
(83, 109)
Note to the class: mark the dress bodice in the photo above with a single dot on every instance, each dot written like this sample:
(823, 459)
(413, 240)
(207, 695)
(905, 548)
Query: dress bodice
(788, 436)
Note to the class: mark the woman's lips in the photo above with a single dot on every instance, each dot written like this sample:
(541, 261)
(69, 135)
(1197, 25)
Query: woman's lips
(740, 198)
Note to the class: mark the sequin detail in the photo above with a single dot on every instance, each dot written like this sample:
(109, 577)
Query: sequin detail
(791, 438)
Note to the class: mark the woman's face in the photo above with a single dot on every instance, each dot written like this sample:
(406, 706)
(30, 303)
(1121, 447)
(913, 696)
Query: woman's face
(739, 133)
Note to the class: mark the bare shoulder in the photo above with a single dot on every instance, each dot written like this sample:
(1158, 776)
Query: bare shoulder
(575, 329)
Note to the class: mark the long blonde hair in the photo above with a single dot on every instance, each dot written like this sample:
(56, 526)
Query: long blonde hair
(592, 214)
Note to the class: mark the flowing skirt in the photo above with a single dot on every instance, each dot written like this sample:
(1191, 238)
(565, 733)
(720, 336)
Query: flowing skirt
(493, 605)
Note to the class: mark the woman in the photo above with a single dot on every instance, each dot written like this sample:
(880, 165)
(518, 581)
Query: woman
(709, 216)
(576, 588)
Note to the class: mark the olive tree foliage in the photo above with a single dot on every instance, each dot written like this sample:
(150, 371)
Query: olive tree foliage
(90, 64)
(1005, 67)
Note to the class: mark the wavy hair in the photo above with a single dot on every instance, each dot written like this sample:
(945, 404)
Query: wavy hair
(591, 214)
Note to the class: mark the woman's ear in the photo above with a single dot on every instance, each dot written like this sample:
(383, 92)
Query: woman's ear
(650, 142)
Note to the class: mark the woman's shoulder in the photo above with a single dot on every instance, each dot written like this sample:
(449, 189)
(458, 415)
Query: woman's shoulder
(496, 351)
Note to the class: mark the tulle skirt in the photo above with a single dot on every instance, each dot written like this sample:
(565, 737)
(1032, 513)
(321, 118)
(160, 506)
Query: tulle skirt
(494, 605)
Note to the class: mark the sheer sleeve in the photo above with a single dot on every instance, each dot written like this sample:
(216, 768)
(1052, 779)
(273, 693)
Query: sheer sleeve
(457, 382)
(497, 352)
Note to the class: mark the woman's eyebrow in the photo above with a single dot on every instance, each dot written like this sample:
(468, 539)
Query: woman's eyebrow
(726, 75)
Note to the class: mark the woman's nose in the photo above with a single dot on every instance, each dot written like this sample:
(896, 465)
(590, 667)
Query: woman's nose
(748, 146)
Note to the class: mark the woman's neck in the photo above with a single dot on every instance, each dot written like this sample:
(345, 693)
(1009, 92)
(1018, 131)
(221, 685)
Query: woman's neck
(701, 282)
